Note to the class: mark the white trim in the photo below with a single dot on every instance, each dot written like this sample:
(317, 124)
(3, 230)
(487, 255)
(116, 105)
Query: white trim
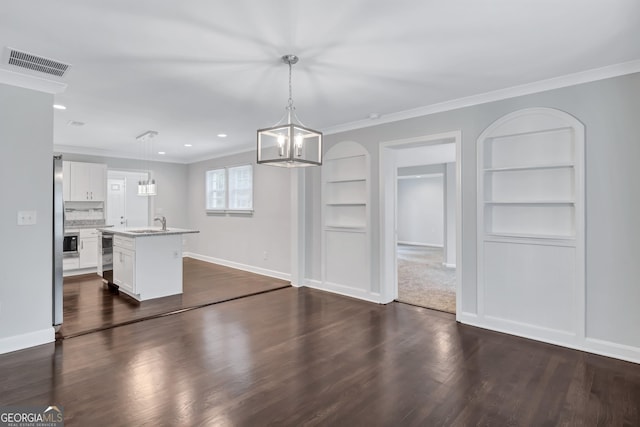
(344, 291)
(239, 266)
(387, 211)
(590, 345)
(80, 271)
(31, 82)
(498, 95)
(611, 349)
(30, 339)
(88, 151)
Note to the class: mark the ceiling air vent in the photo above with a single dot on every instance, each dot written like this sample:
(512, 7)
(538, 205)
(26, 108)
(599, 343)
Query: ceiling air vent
(36, 63)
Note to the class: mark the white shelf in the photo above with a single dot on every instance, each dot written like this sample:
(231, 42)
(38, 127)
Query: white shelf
(529, 149)
(352, 228)
(530, 236)
(339, 181)
(529, 202)
(531, 167)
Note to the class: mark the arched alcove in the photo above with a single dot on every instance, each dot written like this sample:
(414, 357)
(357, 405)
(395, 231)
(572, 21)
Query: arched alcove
(531, 225)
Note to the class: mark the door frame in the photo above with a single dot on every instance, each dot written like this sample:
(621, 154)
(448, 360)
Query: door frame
(388, 211)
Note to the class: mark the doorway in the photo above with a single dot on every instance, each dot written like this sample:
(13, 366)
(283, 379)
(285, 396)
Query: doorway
(411, 158)
(426, 275)
(124, 207)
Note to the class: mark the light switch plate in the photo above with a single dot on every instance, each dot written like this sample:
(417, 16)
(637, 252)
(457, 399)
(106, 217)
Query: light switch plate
(26, 217)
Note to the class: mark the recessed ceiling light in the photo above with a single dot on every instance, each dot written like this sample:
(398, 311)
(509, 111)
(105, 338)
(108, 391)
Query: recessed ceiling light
(161, 152)
(188, 145)
(222, 135)
(59, 107)
(75, 123)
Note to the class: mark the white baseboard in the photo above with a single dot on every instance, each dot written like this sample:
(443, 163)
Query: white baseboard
(343, 290)
(549, 336)
(30, 339)
(611, 349)
(239, 266)
(80, 271)
(428, 245)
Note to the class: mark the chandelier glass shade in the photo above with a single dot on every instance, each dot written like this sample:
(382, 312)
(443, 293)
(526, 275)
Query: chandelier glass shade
(289, 144)
(146, 184)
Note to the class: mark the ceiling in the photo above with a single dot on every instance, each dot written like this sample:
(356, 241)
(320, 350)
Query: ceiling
(193, 69)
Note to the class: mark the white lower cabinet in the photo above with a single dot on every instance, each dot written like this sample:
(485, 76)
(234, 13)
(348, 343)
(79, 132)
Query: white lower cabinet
(148, 267)
(88, 248)
(124, 261)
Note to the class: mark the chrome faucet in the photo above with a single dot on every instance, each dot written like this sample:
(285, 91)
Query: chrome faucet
(163, 220)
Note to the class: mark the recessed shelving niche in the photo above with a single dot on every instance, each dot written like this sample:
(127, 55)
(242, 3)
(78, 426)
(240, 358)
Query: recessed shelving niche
(528, 183)
(345, 203)
(345, 190)
(531, 224)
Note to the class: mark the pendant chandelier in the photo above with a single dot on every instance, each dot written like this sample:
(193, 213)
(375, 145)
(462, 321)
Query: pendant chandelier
(290, 144)
(147, 185)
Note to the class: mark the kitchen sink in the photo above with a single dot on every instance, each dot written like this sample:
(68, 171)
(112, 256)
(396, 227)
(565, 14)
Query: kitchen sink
(148, 231)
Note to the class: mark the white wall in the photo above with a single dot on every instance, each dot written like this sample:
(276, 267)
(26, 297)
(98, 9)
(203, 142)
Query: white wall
(421, 210)
(609, 109)
(26, 137)
(241, 240)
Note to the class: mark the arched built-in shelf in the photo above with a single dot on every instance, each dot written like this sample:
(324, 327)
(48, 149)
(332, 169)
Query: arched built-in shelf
(345, 220)
(531, 225)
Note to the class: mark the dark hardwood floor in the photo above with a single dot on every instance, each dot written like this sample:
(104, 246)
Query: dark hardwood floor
(296, 357)
(89, 305)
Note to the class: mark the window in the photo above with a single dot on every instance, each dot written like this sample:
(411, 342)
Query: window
(216, 189)
(230, 189)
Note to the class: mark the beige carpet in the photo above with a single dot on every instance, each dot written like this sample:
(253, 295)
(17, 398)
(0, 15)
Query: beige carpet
(423, 280)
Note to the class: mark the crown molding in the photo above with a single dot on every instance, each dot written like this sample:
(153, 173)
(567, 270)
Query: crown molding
(483, 98)
(87, 151)
(498, 95)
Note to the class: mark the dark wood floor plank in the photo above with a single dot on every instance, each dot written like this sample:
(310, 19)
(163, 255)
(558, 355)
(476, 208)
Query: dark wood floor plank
(89, 305)
(296, 357)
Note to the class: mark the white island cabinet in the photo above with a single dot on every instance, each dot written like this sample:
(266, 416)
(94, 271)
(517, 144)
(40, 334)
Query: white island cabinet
(147, 263)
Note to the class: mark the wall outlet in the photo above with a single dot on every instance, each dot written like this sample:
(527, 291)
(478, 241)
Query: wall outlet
(26, 217)
(265, 255)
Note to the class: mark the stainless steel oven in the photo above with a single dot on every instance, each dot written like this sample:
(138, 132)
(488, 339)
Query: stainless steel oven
(70, 244)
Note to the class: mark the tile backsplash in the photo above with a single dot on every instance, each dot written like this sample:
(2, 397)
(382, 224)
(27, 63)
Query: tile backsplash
(84, 211)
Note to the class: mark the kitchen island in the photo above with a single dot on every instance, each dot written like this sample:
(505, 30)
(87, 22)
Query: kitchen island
(147, 262)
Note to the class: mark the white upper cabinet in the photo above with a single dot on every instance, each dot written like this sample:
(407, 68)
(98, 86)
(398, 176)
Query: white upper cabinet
(84, 181)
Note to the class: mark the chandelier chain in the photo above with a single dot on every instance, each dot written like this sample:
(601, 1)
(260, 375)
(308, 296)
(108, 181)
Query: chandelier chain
(290, 106)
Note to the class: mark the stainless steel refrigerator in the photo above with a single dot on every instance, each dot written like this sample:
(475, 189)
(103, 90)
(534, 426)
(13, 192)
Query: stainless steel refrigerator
(58, 236)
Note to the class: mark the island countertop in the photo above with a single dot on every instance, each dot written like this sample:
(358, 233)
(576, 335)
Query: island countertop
(145, 231)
